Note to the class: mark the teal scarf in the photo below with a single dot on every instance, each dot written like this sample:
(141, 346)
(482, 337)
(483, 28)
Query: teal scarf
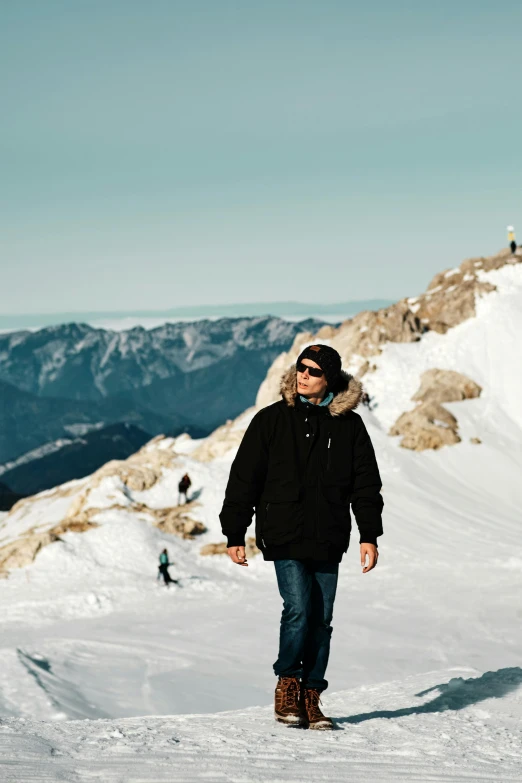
(327, 400)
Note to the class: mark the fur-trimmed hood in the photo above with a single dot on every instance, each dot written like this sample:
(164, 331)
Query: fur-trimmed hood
(347, 399)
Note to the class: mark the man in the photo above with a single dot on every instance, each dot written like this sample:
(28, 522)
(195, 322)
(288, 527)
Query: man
(183, 487)
(163, 569)
(301, 462)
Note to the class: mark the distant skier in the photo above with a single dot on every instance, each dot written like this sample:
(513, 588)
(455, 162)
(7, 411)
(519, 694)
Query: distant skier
(511, 239)
(164, 568)
(183, 487)
(301, 462)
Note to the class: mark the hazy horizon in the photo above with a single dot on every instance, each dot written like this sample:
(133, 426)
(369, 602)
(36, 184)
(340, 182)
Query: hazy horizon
(124, 319)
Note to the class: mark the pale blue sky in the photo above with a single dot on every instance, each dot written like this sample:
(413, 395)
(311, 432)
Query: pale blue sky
(163, 152)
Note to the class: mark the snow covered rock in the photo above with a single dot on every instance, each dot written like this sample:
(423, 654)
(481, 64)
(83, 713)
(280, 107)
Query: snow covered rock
(445, 386)
(430, 425)
(362, 342)
(224, 439)
(22, 551)
(177, 520)
(449, 300)
(77, 506)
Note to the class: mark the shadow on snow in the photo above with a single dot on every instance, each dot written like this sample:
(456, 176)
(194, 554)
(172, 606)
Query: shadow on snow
(453, 695)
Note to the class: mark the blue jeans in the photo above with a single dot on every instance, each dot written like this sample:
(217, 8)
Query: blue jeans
(307, 588)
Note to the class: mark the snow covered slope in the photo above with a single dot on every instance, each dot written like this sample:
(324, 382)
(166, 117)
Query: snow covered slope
(450, 725)
(88, 633)
(486, 348)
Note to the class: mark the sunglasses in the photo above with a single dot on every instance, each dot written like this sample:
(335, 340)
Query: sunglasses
(316, 372)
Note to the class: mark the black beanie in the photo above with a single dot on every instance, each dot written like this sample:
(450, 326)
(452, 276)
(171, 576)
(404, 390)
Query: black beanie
(328, 360)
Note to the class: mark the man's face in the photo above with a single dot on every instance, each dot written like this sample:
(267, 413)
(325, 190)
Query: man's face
(309, 386)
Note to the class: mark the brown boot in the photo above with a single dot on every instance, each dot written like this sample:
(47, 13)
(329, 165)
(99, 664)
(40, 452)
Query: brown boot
(287, 707)
(311, 699)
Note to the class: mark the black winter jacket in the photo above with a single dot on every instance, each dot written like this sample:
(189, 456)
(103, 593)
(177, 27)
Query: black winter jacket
(286, 482)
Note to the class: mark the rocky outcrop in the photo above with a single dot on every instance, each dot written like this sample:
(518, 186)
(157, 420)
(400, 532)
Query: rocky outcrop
(177, 520)
(439, 386)
(139, 472)
(450, 297)
(221, 548)
(448, 301)
(429, 425)
(224, 438)
(23, 551)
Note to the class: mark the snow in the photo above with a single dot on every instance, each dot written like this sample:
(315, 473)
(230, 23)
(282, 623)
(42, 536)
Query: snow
(82, 428)
(484, 347)
(448, 725)
(110, 491)
(47, 510)
(183, 444)
(106, 674)
(244, 420)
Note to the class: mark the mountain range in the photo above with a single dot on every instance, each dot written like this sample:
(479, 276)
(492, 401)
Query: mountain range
(29, 421)
(179, 377)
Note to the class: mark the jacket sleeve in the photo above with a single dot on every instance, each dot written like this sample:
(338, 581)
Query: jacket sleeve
(245, 483)
(366, 499)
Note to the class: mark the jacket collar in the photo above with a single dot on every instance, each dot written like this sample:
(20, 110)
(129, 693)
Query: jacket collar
(323, 404)
(347, 399)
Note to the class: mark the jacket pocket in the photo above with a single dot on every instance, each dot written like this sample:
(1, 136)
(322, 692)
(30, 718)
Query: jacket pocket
(335, 518)
(279, 523)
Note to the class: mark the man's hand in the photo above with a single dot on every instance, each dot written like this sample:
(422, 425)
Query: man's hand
(368, 551)
(237, 554)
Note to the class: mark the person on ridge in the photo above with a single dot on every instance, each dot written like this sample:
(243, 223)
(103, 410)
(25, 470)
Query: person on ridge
(183, 487)
(164, 568)
(511, 239)
(301, 462)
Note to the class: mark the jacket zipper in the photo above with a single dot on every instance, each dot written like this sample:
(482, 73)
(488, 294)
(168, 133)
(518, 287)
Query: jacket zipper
(317, 521)
(329, 451)
(262, 539)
